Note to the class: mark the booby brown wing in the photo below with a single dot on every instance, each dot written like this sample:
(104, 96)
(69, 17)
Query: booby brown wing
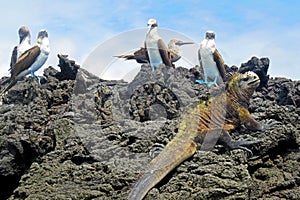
(164, 53)
(199, 58)
(141, 56)
(25, 60)
(14, 55)
(146, 53)
(220, 63)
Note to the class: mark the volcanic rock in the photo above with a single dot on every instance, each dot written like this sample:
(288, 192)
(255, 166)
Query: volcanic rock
(76, 136)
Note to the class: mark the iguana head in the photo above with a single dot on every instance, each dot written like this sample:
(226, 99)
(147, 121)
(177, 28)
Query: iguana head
(242, 86)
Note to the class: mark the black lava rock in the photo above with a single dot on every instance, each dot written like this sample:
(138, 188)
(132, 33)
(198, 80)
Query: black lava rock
(81, 137)
(259, 66)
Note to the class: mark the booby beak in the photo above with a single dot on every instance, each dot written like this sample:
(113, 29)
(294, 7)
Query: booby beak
(180, 43)
(149, 28)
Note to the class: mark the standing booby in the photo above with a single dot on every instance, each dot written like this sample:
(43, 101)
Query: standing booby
(141, 55)
(30, 61)
(211, 61)
(156, 48)
(24, 44)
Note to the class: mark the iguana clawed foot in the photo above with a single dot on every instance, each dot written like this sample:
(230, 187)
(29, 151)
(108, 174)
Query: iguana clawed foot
(241, 143)
(269, 124)
(226, 140)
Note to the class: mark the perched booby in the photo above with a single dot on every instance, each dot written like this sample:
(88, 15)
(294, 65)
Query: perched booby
(24, 44)
(30, 61)
(174, 51)
(211, 61)
(141, 55)
(156, 48)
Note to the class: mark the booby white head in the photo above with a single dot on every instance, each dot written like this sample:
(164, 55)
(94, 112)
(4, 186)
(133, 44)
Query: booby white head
(24, 44)
(173, 43)
(43, 42)
(24, 33)
(152, 25)
(43, 34)
(209, 35)
(25, 40)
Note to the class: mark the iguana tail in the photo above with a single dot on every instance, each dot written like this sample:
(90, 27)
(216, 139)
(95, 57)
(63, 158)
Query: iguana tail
(174, 153)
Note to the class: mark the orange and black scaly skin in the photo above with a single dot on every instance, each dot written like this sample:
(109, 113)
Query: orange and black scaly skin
(207, 116)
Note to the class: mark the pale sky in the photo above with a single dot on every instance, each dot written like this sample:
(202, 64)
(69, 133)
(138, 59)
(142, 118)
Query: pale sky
(265, 28)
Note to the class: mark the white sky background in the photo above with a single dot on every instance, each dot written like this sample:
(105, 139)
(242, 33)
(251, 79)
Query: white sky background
(266, 28)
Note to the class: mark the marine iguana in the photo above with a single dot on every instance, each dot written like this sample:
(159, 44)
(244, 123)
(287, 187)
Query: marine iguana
(204, 120)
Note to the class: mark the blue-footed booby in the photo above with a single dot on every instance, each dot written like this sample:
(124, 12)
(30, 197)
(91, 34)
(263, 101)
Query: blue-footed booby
(174, 50)
(30, 61)
(141, 55)
(211, 61)
(24, 44)
(156, 48)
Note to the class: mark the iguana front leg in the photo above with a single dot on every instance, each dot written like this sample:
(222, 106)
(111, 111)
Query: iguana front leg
(226, 140)
(251, 124)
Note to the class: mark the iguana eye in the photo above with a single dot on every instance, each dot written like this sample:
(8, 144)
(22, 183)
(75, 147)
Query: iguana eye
(246, 79)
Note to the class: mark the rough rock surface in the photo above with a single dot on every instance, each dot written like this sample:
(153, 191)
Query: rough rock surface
(77, 136)
(259, 66)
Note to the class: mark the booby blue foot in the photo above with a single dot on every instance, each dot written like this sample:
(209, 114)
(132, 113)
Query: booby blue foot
(212, 83)
(153, 68)
(206, 82)
(33, 75)
(201, 82)
(39, 79)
